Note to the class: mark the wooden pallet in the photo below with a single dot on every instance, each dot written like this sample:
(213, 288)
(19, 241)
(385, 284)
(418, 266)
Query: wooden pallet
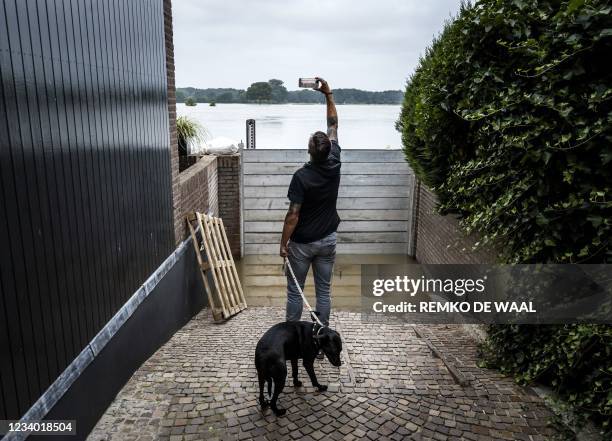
(214, 255)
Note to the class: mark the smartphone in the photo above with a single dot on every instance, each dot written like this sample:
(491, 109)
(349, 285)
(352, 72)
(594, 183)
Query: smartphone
(310, 83)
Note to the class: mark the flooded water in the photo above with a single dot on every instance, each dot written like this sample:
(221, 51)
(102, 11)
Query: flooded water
(265, 284)
(290, 125)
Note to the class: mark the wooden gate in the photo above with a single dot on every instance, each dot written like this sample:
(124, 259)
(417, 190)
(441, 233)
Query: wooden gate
(374, 201)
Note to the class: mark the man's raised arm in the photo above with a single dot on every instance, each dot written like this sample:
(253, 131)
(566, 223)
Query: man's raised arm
(332, 115)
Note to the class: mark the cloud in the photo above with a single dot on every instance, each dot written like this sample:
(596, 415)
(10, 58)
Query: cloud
(365, 44)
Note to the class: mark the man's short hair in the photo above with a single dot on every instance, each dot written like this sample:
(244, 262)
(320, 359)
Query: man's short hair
(322, 146)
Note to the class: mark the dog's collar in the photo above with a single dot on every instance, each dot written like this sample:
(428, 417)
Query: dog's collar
(315, 335)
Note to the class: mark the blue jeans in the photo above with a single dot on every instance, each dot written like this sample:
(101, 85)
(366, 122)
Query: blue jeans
(321, 254)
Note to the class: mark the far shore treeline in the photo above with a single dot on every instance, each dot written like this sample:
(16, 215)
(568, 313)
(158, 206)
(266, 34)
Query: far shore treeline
(274, 92)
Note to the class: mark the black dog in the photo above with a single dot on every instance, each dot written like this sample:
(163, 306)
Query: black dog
(291, 341)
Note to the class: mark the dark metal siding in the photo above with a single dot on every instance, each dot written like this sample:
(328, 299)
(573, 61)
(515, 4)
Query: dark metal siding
(85, 184)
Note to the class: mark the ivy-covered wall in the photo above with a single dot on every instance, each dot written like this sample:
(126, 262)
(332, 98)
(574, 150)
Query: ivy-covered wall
(508, 120)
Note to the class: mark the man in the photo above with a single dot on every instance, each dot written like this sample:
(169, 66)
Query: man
(309, 233)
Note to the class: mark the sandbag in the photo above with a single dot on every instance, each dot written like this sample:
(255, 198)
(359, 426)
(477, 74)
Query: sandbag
(221, 146)
(196, 147)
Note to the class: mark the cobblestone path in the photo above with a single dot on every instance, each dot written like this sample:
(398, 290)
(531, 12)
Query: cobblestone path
(202, 384)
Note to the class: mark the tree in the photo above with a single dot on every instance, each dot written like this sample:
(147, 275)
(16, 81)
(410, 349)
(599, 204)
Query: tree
(259, 91)
(279, 91)
(180, 95)
(189, 101)
(280, 94)
(225, 97)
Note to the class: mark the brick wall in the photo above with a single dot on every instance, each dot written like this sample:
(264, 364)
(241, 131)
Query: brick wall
(228, 175)
(197, 192)
(186, 161)
(213, 194)
(174, 158)
(439, 238)
(211, 186)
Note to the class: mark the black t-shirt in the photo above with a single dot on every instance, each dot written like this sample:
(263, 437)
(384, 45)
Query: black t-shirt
(315, 187)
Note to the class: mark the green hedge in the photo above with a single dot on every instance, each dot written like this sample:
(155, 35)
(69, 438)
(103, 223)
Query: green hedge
(508, 119)
(573, 359)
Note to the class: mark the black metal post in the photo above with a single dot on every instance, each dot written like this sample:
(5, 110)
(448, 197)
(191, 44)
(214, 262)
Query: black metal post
(250, 133)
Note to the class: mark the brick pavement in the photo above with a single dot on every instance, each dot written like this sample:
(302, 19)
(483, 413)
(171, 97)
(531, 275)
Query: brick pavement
(202, 385)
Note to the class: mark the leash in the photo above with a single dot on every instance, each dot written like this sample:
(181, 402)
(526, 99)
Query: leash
(312, 314)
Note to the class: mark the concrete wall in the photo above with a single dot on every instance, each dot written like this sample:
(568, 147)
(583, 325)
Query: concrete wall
(374, 200)
(170, 304)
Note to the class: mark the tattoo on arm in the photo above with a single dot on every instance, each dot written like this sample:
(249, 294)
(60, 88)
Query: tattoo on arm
(294, 208)
(291, 221)
(332, 118)
(332, 133)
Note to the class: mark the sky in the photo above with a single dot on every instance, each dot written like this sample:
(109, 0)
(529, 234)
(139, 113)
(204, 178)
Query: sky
(365, 44)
